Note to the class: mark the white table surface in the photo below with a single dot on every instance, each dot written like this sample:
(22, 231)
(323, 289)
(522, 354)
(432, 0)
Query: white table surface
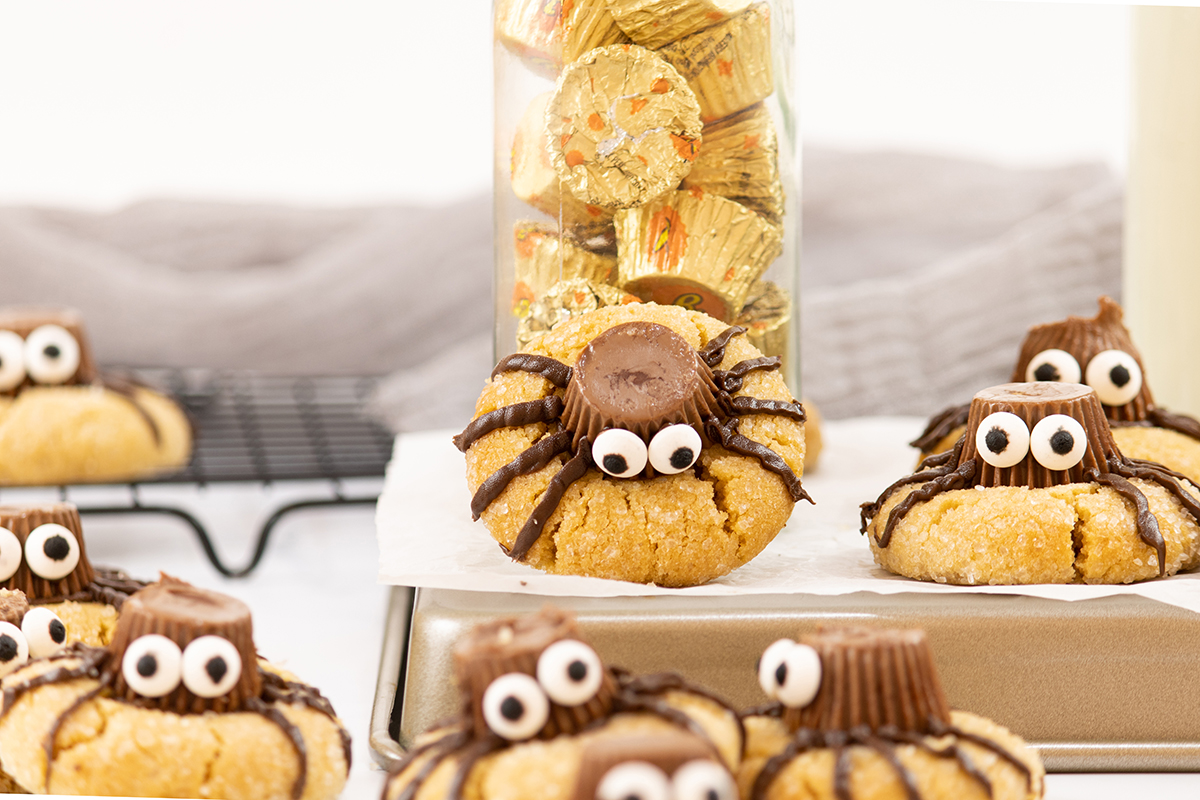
(319, 612)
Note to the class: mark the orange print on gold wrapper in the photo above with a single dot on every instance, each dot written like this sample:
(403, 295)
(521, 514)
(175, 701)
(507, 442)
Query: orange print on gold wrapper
(687, 148)
(637, 104)
(668, 239)
(522, 298)
(751, 141)
(725, 66)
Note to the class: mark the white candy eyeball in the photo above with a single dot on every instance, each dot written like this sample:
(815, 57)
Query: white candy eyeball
(211, 666)
(515, 707)
(1115, 376)
(674, 449)
(1058, 442)
(152, 665)
(790, 673)
(51, 551)
(619, 453)
(44, 631)
(10, 554)
(14, 649)
(634, 780)
(51, 354)
(703, 779)
(1053, 365)
(1002, 439)
(570, 672)
(12, 360)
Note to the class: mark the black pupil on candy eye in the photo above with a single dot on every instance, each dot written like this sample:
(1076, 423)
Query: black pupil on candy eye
(781, 674)
(8, 648)
(615, 464)
(1046, 372)
(996, 441)
(512, 709)
(577, 671)
(216, 669)
(56, 548)
(1119, 376)
(1062, 442)
(711, 794)
(682, 458)
(52, 351)
(147, 665)
(58, 631)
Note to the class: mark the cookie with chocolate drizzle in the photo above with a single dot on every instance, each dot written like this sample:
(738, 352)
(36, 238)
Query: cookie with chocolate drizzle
(1036, 491)
(62, 420)
(182, 679)
(537, 699)
(641, 442)
(860, 712)
(1099, 352)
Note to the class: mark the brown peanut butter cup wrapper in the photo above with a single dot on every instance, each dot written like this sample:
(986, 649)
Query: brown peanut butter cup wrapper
(513, 645)
(55, 552)
(544, 258)
(535, 181)
(728, 66)
(23, 321)
(623, 126)
(183, 613)
(654, 23)
(872, 678)
(546, 34)
(694, 250)
(765, 317)
(565, 300)
(667, 750)
(739, 159)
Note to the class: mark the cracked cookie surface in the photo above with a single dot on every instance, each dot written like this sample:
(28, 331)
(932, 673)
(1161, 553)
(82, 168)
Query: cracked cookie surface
(676, 530)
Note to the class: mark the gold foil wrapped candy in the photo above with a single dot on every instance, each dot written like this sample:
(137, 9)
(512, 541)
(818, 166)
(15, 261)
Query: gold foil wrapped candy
(544, 258)
(739, 159)
(535, 182)
(695, 250)
(653, 23)
(565, 300)
(546, 34)
(765, 317)
(728, 66)
(623, 126)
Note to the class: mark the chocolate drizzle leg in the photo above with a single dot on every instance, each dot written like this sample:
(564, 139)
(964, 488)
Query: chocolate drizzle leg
(713, 352)
(52, 734)
(727, 434)
(1180, 423)
(294, 735)
(531, 531)
(551, 369)
(531, 460)
(545, 410)
(940, 426)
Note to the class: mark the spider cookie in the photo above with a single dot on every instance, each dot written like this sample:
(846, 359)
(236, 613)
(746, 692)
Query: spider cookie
(542, 716)
(1036, 491)
(179, 705)
(859, 713)
(642, 443)
(1100, 353)
(61, 421)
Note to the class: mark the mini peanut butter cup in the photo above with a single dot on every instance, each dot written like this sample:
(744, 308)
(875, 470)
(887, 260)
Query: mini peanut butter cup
(25, 320)
(873, 678)
(183, 613)
(640, 376)
(55, 566)
(564, 300)
(668, 750)
(544, 258)
(513, 645)
(739, 159)
(1033, 402)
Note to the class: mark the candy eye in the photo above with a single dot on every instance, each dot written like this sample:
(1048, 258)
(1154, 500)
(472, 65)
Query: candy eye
(703, 780)
(790, 673)
(14, 649)
(1053, 365)
(44, 631)
(1115, 376)
(1058, 442)
(10, 554)
(619, 453)
(211, 666)
(570, 672)
(634, 780)
(515, 707)
(1002, 439)
(51, 354)
(12, 360)
(151, 665)
(51, 551)
(674, 449)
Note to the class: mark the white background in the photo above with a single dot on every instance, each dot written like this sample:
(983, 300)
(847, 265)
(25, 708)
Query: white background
(360, 101)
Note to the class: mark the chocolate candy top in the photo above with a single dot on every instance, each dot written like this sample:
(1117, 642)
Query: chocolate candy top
(42, 552)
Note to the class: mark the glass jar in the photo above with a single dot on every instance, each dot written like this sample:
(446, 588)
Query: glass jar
(646, 150)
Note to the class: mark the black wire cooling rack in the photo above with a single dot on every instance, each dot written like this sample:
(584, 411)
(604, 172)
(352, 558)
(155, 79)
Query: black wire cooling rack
(268, 429)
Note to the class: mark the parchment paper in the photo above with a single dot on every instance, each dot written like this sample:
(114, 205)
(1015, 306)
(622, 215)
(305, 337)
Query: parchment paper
(427, 538)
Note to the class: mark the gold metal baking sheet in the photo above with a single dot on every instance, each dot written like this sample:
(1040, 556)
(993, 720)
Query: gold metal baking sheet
(1096, 685)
